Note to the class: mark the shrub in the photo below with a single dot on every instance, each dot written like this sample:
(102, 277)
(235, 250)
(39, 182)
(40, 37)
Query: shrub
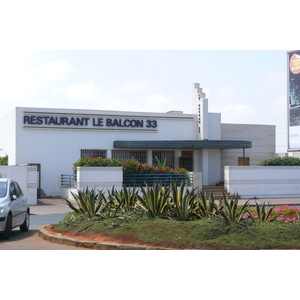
(4, 160)
(281, 161)
(130, 166)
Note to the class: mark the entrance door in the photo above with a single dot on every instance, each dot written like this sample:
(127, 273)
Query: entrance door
(186, 160)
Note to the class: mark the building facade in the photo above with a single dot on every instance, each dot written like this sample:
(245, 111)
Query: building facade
(53, 139)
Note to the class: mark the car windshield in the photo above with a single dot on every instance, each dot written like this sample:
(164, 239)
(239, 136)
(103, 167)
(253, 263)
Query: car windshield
(3, 187)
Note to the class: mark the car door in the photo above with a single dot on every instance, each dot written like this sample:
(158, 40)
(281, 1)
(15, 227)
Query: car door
(18, 204)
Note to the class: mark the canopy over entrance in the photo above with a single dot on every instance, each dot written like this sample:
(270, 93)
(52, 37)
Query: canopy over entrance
(184, 144)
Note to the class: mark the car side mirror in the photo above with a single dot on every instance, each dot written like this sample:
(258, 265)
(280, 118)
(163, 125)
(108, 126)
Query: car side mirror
(13, 197)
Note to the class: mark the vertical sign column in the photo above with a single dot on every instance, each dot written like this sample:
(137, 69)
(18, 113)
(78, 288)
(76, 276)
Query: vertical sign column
(293, 98)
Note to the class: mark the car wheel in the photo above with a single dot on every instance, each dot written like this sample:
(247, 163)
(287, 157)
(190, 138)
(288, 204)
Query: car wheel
(25, 226)
(8, 228)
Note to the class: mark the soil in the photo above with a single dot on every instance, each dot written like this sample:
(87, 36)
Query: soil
(94, 236)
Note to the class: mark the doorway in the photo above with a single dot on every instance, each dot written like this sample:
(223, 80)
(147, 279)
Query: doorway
(186, 160)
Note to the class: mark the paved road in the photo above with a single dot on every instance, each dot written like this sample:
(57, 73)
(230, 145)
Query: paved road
(40, 215)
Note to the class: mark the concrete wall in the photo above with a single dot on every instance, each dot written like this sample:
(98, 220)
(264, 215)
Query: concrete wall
(27, 178)
(263, 139)
(263, 181)
(99, 177)
(56, 149)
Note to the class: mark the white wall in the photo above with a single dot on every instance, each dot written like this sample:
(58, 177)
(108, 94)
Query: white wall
(27, 178)
(57, 149)
(263, 181)
(99, 178)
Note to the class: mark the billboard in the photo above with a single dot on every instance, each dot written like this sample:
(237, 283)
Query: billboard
(293, 88)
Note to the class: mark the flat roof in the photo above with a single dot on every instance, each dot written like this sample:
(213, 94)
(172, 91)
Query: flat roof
(184, 144)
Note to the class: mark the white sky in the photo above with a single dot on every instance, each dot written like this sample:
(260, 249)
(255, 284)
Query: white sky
(146, 58)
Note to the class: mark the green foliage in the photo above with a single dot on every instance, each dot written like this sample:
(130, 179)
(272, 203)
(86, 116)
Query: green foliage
(154, 200)
(4, 160)
(130, 166)
(182, 202)
(263, 213)
(126, 198)
(162, 163)
(214, 233)
(281, 161)
(229, 209)
(206, 206)
(89, 202)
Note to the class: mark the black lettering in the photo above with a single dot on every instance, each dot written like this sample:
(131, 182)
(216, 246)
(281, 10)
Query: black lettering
(72, 121)
(52, 121)
(139, 123)
(64, 120)
(33, 120)
(39, 120)
(86, 121)
(109, 122)
(98, 122)
(154, 123)
(46, 120)
(26, 120)
(127, 123)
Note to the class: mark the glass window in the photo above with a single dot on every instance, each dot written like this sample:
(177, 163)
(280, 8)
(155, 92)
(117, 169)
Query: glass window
(3, 188)
(18, 190)
(93, 153)
(139, 155)
(161, 155)
(12, 190)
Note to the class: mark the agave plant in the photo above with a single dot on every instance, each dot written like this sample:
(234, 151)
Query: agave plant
(183, 203)
(125, 199)
(206, 206)
(89, 202)
(263, 212)
(154, 199)
(229, 209)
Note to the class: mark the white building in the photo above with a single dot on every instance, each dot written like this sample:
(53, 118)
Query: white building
(53, 139)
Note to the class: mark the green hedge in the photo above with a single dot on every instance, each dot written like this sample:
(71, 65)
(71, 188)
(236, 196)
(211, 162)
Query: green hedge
(4, 160)
(130, 166)
(281, 161)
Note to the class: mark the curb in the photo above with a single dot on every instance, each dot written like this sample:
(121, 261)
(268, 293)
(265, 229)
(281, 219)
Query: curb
(61, 239)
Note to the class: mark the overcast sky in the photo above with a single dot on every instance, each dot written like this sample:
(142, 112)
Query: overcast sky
(246, 86)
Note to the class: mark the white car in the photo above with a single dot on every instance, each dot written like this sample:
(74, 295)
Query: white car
(14, 209)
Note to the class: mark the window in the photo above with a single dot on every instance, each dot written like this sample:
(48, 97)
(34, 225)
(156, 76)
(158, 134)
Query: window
(161, 155)
(93, 153)
(139, 155)
(241, 161)
(18, 190)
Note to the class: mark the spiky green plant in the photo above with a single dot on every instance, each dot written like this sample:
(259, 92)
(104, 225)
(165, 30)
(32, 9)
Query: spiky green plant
(154, 200)
(263, 212)
(229, 209)
(183, 203)
(161, 163)
(126, 198)
(206, 206)
(89, 202)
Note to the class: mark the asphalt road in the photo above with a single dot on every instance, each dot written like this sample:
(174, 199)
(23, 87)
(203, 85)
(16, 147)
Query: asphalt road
(30, 240)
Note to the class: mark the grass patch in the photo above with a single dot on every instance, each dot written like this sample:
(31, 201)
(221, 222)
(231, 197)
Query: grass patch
(213, 233)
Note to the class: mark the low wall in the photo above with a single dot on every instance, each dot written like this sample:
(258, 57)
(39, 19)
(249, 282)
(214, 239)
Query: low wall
(263, 181)
(27, 178)
(99, 177)
(103, 178)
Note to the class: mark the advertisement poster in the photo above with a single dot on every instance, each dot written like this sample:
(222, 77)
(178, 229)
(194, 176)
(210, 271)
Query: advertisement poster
(294, 99)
